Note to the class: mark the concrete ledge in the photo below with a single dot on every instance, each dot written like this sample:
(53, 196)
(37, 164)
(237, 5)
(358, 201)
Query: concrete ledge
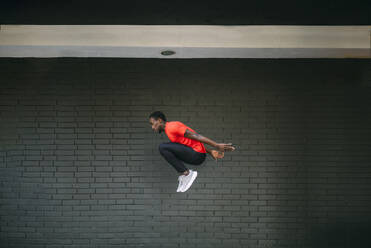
(187, 41)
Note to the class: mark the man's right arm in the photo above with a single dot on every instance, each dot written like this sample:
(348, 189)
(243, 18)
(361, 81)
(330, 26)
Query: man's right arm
(214, 153)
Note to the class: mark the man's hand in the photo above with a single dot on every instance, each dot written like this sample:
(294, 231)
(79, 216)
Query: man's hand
(225, 147)
(217, 154)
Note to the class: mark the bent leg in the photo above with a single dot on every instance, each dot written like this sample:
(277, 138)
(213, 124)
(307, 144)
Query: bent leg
(167, 151)
(175, 154)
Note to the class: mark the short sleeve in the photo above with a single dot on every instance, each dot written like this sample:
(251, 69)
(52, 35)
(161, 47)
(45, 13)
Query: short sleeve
(179, 129)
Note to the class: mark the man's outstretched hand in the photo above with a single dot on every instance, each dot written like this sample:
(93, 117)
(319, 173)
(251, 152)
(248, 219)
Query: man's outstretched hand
(217, 154)
(226, 147)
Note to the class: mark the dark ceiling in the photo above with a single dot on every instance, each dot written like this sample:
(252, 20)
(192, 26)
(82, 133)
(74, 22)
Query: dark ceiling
(183, 12)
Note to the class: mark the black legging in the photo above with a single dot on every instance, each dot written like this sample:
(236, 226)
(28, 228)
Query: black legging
(176, 154)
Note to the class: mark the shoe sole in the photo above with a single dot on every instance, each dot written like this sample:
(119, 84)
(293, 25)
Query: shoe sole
(191, 182)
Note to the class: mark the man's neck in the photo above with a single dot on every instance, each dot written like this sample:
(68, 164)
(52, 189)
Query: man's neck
(164, 126)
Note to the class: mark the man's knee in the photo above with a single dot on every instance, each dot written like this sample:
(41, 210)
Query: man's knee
(162, 147)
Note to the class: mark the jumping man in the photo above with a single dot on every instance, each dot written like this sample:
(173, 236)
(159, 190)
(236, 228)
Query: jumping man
(186, 146)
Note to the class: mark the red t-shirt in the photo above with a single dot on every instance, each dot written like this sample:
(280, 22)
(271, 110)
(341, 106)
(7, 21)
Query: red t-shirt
(175, 132)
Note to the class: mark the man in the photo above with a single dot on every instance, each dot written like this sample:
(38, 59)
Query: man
(186, 146)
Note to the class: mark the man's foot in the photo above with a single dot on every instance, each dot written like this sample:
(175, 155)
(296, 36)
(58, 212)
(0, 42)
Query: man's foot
(180, 179)
(188, 180)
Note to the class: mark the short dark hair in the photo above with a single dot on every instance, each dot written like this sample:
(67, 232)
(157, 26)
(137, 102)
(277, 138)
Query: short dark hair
(158, 114)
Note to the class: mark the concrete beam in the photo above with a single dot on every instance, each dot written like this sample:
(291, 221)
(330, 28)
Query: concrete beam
(148, 41)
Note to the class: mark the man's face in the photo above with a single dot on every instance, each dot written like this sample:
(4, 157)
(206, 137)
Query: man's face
(156, 124)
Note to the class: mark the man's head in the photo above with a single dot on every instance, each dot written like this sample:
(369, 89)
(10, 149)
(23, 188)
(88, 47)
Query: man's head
(157, 120)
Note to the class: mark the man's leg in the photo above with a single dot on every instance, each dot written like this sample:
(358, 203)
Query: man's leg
(175, 154)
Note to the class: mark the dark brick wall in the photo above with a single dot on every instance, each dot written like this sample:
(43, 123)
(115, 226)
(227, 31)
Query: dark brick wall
(80, 165)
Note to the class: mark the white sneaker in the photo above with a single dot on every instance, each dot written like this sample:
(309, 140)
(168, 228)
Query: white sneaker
(180, 183)
(188, 180)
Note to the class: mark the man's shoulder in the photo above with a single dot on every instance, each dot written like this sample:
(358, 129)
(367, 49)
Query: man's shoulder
(174, 125)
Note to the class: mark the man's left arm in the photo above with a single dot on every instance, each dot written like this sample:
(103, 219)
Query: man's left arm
(216, 154)
(219, 146)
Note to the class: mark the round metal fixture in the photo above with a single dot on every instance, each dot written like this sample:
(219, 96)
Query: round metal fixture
(167, 52)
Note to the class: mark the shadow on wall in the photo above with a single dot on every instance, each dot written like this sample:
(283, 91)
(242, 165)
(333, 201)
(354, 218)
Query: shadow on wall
(338, 235)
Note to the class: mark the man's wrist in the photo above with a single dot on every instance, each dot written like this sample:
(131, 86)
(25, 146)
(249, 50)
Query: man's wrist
(208, 150)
